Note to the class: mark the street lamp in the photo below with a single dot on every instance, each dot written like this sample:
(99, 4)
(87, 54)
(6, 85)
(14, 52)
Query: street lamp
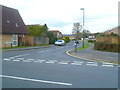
(83, 25)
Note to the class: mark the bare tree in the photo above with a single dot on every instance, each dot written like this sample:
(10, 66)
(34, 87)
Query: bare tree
(77, 30)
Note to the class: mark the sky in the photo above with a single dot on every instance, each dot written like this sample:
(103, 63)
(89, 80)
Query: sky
(100, 15)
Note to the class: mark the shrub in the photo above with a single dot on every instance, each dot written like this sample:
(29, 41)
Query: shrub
(66, 39)
(107, 47)
(91, 41)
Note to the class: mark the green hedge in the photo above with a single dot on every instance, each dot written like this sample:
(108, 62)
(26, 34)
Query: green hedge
(91, 41)
(66, 40)
(107, 47)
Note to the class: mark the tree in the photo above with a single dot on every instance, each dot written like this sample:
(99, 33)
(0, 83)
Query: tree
(76, 30)
(67, 39)
(52, 37)
(86, 33)
(44, 30)
(38, 30)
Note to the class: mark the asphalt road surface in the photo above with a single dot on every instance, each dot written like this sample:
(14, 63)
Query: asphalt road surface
(53, 68)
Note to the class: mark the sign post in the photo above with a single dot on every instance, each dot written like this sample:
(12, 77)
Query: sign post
(75, 44)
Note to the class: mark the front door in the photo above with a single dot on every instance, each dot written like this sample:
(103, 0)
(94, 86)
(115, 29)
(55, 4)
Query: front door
(19, 40)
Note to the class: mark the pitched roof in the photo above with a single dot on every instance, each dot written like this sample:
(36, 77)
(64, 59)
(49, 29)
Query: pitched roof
(55, 31)
(12, 22)
(115, 30)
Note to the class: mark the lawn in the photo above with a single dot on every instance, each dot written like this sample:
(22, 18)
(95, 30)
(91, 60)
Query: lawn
(87, 45)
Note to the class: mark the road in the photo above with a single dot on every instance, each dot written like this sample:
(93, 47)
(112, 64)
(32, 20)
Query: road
(53, 68)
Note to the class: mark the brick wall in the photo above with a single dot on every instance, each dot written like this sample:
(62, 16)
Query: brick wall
(6, 38)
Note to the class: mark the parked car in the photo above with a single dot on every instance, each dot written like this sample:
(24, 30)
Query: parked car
(77, 42)
(60, 42)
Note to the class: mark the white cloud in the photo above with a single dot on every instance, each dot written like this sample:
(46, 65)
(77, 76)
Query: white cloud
(61, 14)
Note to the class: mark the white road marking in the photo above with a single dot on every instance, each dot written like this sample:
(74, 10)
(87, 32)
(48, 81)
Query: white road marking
(43, 51)
(30, 59)
(16, 60)
(63, 62)
(36, 80)
(91, 62)
(49, 62)
(6, 59)
(26, 61)
(20, 58)
(40, 61)
(107, 65)
(76, 63)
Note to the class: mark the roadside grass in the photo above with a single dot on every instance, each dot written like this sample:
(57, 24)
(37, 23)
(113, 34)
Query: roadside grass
(24, 46)
(87, 45)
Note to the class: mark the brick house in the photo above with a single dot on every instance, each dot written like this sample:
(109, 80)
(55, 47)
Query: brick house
(57, 33)
(13, 28)
(114, 30)
(115, 39)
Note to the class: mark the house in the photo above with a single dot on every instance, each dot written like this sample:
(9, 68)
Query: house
(115, 30)
(57, 33)
(14, 30)
(110, 39)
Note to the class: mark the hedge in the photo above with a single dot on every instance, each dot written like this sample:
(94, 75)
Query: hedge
(91, 41)
(107, 47)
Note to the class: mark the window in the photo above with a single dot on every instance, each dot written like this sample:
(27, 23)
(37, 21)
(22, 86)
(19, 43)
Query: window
(8, 21)
(15, 40)
(16, 25)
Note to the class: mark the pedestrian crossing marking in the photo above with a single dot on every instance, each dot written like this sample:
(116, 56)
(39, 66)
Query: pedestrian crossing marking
(77, 63)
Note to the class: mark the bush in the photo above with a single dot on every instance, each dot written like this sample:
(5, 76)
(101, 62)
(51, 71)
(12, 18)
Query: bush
(66, 39)
(107, 47)
(21, 43)
(91, 41)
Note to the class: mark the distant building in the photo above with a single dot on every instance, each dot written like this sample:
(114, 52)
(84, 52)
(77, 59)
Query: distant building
(70, 35)
(114, 30)
(57, 33)
(13, 28)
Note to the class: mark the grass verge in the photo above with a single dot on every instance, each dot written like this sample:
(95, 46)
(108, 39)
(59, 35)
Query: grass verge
(86, 46)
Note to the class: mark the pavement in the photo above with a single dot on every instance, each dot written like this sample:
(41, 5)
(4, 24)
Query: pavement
(26, 48)
(94, 55)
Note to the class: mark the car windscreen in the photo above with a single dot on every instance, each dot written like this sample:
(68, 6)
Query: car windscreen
(59, 41)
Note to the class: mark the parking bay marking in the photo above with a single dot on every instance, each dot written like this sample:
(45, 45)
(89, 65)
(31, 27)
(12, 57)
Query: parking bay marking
(36, 80)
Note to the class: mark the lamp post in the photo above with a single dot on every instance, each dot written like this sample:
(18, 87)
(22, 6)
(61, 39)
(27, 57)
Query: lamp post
(83, 25)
